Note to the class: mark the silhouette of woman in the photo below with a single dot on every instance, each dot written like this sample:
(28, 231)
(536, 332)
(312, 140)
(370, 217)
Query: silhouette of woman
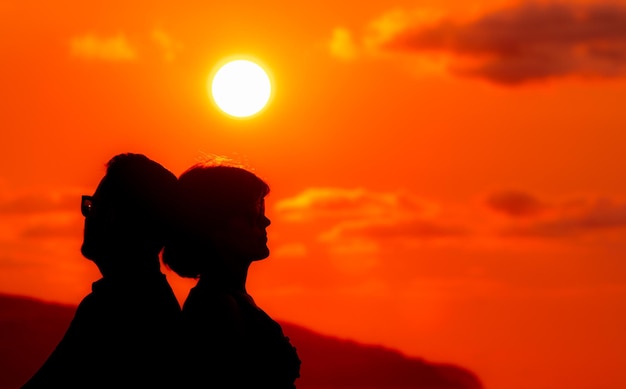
(231, 341)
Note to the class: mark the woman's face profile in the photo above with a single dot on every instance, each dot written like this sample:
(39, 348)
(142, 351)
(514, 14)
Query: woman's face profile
(247, 234)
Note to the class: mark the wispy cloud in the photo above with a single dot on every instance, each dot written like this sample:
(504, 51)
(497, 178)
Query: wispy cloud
(350, 215)
(166, 43)
(342, 204)
(342, 44)
(39, 215)
(519, 44)
(114, 48)
(30, 203)
(404, 229)
(534, 218)
(375, 219)
(293, 250)
(53, 230)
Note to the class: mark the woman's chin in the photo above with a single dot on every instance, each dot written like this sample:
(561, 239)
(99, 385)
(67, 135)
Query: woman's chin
(262, 255)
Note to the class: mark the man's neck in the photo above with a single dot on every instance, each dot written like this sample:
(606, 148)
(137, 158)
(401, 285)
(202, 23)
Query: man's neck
(130, 266)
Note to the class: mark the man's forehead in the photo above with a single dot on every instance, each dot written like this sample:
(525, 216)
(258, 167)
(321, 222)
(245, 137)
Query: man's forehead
(102, 187)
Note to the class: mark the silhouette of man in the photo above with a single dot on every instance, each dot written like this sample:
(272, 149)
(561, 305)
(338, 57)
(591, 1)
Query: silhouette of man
(122, 332)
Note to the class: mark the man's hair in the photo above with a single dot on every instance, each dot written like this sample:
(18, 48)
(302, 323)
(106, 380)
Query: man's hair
(209, 196)
(142, 190)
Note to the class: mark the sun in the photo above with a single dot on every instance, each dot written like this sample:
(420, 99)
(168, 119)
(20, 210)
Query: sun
(240, 88)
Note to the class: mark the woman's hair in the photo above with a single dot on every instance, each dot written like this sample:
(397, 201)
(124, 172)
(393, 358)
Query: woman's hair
(209, 195)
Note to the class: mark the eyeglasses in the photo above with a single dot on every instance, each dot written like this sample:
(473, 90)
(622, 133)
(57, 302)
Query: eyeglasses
(86, 205)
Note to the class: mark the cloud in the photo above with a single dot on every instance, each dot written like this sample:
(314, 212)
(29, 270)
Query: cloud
(566, 219)
(343, 219)
(405, 229)
(40, 215)
(515, 204)
(53, 230)
(519, 44)
(342, 44)
(115, 48)
(20, 254)
(358, 215)
(345, 44)
(291, 250)
(166, 43)
(342, 204)
(31, 203)
(395, 22)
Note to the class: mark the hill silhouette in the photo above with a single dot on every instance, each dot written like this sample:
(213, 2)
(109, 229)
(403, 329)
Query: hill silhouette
(30, 329)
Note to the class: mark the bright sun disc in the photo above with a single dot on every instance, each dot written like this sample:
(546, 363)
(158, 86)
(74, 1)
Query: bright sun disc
(241, 88)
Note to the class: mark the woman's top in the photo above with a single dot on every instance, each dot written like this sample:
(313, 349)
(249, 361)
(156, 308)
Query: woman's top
(232, 343)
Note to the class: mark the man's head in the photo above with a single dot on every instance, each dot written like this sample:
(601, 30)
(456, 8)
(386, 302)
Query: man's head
(129, 214)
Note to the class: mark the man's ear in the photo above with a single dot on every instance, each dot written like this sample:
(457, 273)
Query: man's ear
(221, 234)
(114, 218)
(119, 220)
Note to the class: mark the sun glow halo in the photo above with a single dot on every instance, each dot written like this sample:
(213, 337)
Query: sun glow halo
(240, 88)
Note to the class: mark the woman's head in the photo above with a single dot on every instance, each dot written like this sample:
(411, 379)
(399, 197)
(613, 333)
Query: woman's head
(221, 216)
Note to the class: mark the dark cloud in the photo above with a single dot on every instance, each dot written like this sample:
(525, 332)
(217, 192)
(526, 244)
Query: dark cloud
(591, 217)
(527, 42)
(515, 204)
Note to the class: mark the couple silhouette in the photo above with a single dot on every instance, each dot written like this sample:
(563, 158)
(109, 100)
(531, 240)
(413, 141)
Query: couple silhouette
(130, 331)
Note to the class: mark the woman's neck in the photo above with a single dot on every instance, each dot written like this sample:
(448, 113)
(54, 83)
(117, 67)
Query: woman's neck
(231, 277)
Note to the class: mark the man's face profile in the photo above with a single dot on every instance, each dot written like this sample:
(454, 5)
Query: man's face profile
(96, 229)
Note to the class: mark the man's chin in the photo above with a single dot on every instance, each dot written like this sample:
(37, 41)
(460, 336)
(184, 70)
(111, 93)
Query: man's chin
(88, 252)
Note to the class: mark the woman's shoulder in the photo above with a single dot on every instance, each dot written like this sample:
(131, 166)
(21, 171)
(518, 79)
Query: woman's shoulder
(204, 298)
(212, 313)
(213, 305)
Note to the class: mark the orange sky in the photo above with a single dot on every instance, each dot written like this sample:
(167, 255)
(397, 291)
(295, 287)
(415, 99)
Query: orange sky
(447, 179)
